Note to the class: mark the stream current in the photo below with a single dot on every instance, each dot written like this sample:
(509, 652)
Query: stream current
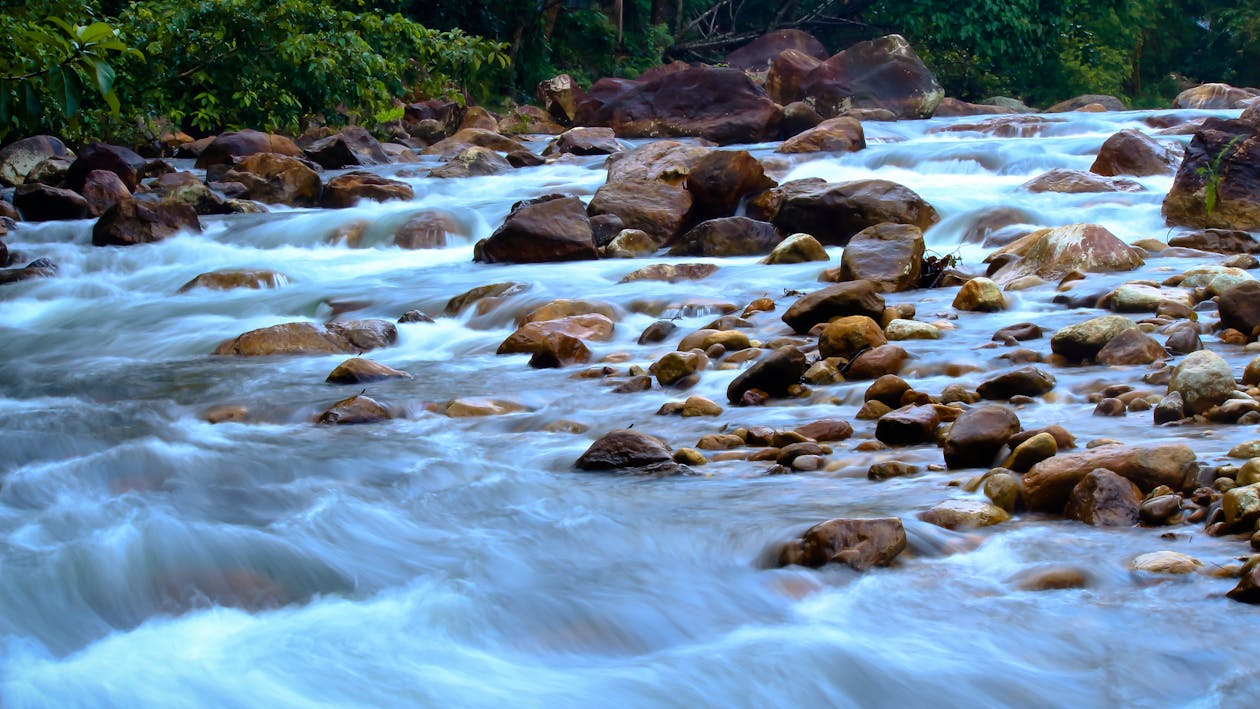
(149, 558)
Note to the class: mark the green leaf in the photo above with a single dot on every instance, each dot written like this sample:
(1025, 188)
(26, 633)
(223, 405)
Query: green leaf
(105, 76)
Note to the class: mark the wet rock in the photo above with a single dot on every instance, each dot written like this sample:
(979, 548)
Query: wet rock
(658, 208)
(891, 469)
(351, 188)
(232, 278)
(846, 336)
(553, 228)
(472, 162)
(558, 349)
(1248, 588)
(663, 160)
(357, 409)
(531, 337)
(838, 300)
(825, 430)
(1165, 562)
(1220, 241)
(860, 543)
(19, 158)
(427, 230)
(1218, 182)
(1085, 340)
(981, 295)
(1104, 499)
(720, 180)
(965, 514)
(276, 179)
(1068, 181)
(358, 370)
(798, 116)
(1132, 152)
(1053, 253)
(979, 434)
(103, 189)
(1025, 381)
(833, 213)
(1131, 347)
(671, 272)
(1004, 490)
(584, 141)
(39, 268)
(700, 406)
(483, 294)
(133, 222)
(1242, 505)
(353, 336)
(564, 307)
(1240, 307)
(1110, 407)
(1160, 510)
(797, 248)
(1203, 379)
(657, 332)
(352, 146)
(1018, 332)
(226, 148)
(41, 203)
(888, 389)
(774, 374)
(1049, 483)
(908, 425)
(876, 362)
(1215, 96)
(630, 243)
(757, 54)
(674, 367)
(1170, 408)
(622, 449)
(476, 408)
(899, 329)
(465, 138)
(881, 73)
(728, 236)
(836, 135)
(888, 255)
(1052, 578)
(187, 188)
(1183, 339)
(559, 97)
(414, 316)
(124, 163)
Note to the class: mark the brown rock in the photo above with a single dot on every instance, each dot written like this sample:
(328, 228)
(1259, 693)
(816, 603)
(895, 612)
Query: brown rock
(228, 147)
(1053, 253)
(427, 230)
(559, 96)
(352, 336)
(888, 389)
(1104, 499)
(1220, 241)
(876, 362)
(351, 188)
(759, 53)
(658, 208)
(1025, 381)
(983, 295)
(833, 213)
(103, 189)
(662, 160)
(674, 367)
(836, 135)
(448, 148)
(1052, 578)
(1029, 452)
(276, 179)
(889, 255)
(950, 107)
(1108, 103)
(825, 430)
(908, 426)
(1218, 182)
(1132, 152)
(132, 222)
(881, 73)
(838, 300)
(531, 337)
(773, 374)
(671, 272)
(19, 158)
(480, 294)
(846, 336)
(352, 146)
(1085, 340)
(1078, 181)
(1240, 307)
(1131, 347)
(553, 228)
(1248, 588)
(41, 203)
(584, 141)
(965, 514)
(860, 543)
(473, 161)
(559, 349)
(358, 370)
(232, 278)
(1049, 483)
(1215, 96)
(797, 248)
(354, 410)
(787, 73)
(720, 180)
(728, 236)
(622, 449)
(979, 434)
(123, 162)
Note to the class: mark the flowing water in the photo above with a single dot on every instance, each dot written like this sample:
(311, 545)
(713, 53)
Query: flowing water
(148, 558)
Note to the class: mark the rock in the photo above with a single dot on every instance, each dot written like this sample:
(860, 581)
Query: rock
(232, 278)
(757, 54)
(354, 410)
(1248, 588)
(1165, 562)
(1203, 379)
(472, 162)
(532, 337)
(559, 96)
(833, 213)
(774, 374)
(465, 138)
(477, 408)
(19, 158)
(276, 179)
(427, 230)
(187, 188)
(414, 316)
(1132, 152)
(662, 160)
(349, 189)
(226, 148)
(1215, 96)
(1160, 510)
(1025, 381)
(102, 189)
(1085, 340)
(1108, 103)
(889, 469)
(1052, 578)
(860, 543)
(41, 203)
(825, 430)
(352, 146)
(798, 117)
(1004, 490)
(784, 79)
(836, 135)
(563, 308)
(1053, 253)
(1104, 499)
(950, 107)
(1220, 241)
(965, 514)
(357, 370)
(584, 141)
(983, 296)
(553, 228)
(1131, 347)
(482, 294)
(889, 255)
(899, 329)
(700, 406)
(1242, 505)
(846, 336)
(728, 236)
(630, 243)
(677, 366)
(979, 434)
(1240, 307)
(624, 448)
(888, 389)
(838, 300)
(1078, 181)
(39, 268)
(908, 426)
(876, 362)
(797, 248)
(559, 349)
(720, 180)
(1049, 483)
(658, 208)
(1218, 182)
(718, 104)
(123, 162)
(133, 222)
(1183, 338)
(881, 73)
(1169, 409)
(350, 337)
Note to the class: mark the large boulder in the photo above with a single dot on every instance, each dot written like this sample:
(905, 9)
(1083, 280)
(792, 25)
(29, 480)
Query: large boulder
(233, 278)
(624, 448)
(976, 438)
(1218, 182)
(1132, 152)
(881, 73)
(1053, 253)
(351, 188)
(859, 543)
(352, 146)
(721, 179)
(788, 72)
(833, 213)
(1067, 181)
(103, 189)
(121, 161)
(1215, 97)
(757, 54)
(1025, 381)
(658, 208)
(1203, 379)
(559, 96)
(908, 425)
(889, 255)
(228, 147)
(662, 160)
(1085, 101)
(41, 203)
(842, 134)
(1048, 484)
(448, 148)
(1220, 241)
(350, 337)
(187, 188)
(19, 158)
(834, 301)
(1104, 499)
(357, 409)
(719, 104)
(134, 222)
(772, 373)
(532, 337)
(728, 236)
(551, 228)
(276, 179)
(1240, 307)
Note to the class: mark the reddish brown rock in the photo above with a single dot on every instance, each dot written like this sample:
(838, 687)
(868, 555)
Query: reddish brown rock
(353, 187)
(950, 107)
(671, 272)
(559, 349)
(228, 147)
(19, 158)
(846, 336)
(1220, 241)
(842, 134)
(448, 148)
(876, 362)
(532, 337)
(1104, 499)
(1053, 253)
(788, 72)
(350, 337)
(1049, 483)
(721, 179)
(559, 96)
(358, 370)
(552, 228)
(1131, 347)
(1132, 152)
(881, 73)
(1218, 182)
(276, 179)
(658, 208)
(661, 160)
(757, 54)
(624, 448)
(1026, 381)
(825, 430)
(1215, 96)
(728, 236)
(859, 543)
(123, 162)
(908, 426)
(584, 141)
(133, 222)
(471, 162)
(965, 514)
(832, 213)
(103, 189)
(1240, 307)
(352, 146)
(41, 203)
(773, 374)
(357, 409)
(888, 255)
(491, 293)
(229, 279)
(837, 300)
(428, 230)
(1077, 103)
(1078, 181)
(979, 434)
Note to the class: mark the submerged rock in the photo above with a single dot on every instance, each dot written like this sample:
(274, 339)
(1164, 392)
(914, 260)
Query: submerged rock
(354, 410)
(859, 543)
(622, 449)
(349, 337)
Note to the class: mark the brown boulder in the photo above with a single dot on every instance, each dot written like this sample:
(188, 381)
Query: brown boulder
(773, 374)
(531, 337)
(860, 543)
(624, 448)
(889, 255)
(797, 248)
(103, 189)
(228, 147)
(1215, 97)
(19, 158)
(276, 179)
(881, 73)
(1220, 241)
(658, 208)
(123, 162)
(559, 349)
(187, 188)
(833, 213)
(721, 179)
(472, 162)
(1053, 253)
(825, 430)
(231, 278)
(728, 236)
(788, 72)
(838, 300)
(757, 54)
(448, 148)
(908, 425)
(349, 189)
(1078, 181)
(354, 410)
(1108, 103)
(133, 222)
(846, 336)
(358, 370)
(981, 295)
(352, 146)
(547, 229)
(584, 141)
(1131, 347)
(1084, 340)
(876, 362)
(842, 134)
(965, 514)
(559, 95)
(661, 160)
(1048, 484)
(428, 230)
(491, 293)
(1218, 182)
(950, 107)
(671, 272)
(1025, 381)
(979, 434)
(39, 268)
(350, 337)
(41, 203)
(1104, 499)
(1240, 307)
(1132, 152)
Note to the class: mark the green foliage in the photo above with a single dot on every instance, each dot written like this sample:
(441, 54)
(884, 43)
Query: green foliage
(53, 68)
(1211, 174)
